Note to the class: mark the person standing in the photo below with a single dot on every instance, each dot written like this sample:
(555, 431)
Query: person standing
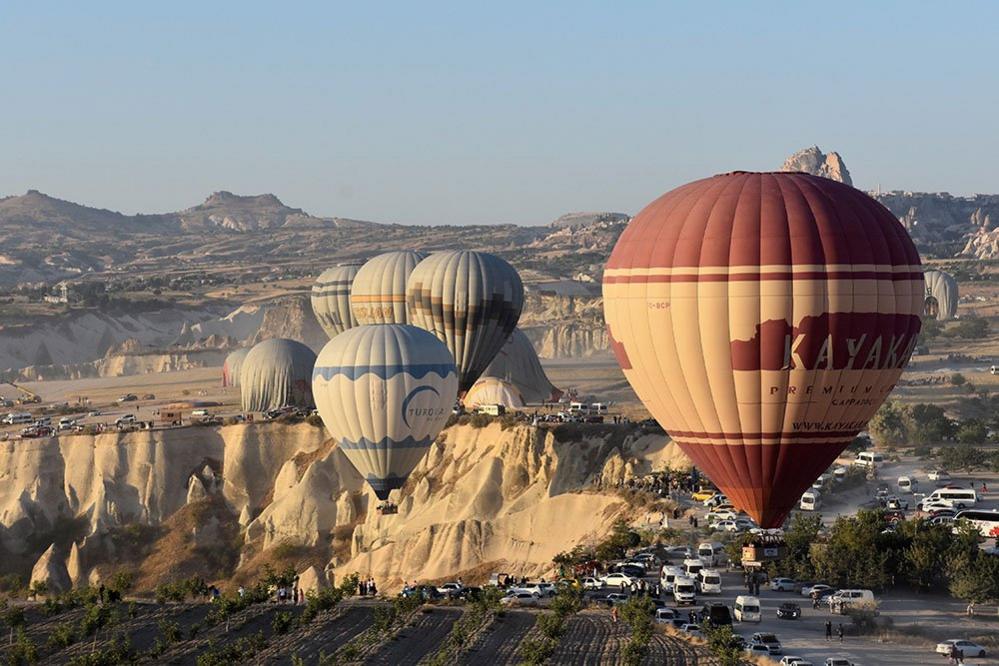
(839, 632)
(614, 614)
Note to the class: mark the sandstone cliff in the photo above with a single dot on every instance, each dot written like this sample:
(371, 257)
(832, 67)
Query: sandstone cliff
(492, 496)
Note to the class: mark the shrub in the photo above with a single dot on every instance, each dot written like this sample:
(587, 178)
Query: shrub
(63, 635)
(480, 420)
(282, 623)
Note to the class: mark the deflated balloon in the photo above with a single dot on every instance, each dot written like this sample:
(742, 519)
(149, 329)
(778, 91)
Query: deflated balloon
(762, 318)
(471, 301)
(384, 393)
(378, 295)
(232, 365)
(940, 300)
(276, 373)
(331, 298)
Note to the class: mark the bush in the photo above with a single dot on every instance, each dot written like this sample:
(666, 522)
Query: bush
(22, 650)
(283, 621)
(314, 420)
(480, 420)
(63, 635)
(957, 379)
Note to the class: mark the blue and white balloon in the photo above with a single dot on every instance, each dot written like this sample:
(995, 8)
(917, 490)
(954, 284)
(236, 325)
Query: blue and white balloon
(384, 392)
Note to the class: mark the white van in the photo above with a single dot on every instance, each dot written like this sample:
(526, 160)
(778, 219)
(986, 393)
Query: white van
(711, 582)
(711, 553)
(869, 459)
(747, 609)
(668, 576)
(18, 417)
(811, 500)
(845, 599)
(684, 591)
(200, 414)
(904, 484)
(958, 497)
(692, 567)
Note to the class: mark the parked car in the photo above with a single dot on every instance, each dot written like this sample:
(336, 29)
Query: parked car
(665, 615)
(938, 475)
(839, 661)
(897, 504)
(744, 523)
(969, 648)
(726, 526)
(715, 500)
(942, 520)
(843, 600)
(789, 611)
(693, 630)
(616, 579)
(592, 584)
(768, 639)
(783, 585)
(450, 589)
(128, 397)
(615, 598)
(520, 599)
(807, 590)
(703, 494)
(124, 419)
(794, 661)
(758, 650)
(717, 614)
(721, 515)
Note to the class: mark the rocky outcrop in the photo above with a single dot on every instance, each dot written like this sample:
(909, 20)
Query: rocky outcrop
(50, 570)
(983, 244)
(812, 160)
(564, 326)
(511, 495)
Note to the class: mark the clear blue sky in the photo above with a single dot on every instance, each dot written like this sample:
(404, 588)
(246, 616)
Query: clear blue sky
(419, 112)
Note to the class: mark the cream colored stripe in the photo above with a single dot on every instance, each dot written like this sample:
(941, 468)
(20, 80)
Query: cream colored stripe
(752, 270)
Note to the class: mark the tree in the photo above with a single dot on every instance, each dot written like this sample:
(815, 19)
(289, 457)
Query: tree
(970, 328)
(799, 535)
(957, 379)
(929, 424)
(888, 427)
(923, 561)
(972, 432)
(855, 554)
(962, 457)
(975, 578)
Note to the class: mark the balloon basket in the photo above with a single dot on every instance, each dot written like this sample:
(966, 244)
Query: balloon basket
(387, 509)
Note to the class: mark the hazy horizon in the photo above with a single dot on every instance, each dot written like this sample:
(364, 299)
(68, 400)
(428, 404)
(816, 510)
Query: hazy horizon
(406, 114)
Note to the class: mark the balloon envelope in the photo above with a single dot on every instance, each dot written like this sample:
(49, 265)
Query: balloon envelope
(232, 365)
(471, 301)
(762, 319)
(384, 393)
(941, 295)
(331, 298)
(378, 295)
(276, 373)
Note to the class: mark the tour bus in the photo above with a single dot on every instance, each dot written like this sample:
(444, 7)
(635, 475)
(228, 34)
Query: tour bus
(810, 501)
(986, 522)
(959, 497)
(18, 417)
(747, 609)
(869, 459)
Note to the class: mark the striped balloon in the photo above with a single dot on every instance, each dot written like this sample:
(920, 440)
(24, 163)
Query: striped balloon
(331, 298)
(471, 301)
(384, 393)
(378, 295)
(763, 319)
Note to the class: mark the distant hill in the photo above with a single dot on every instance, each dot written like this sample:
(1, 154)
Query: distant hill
(35, 212)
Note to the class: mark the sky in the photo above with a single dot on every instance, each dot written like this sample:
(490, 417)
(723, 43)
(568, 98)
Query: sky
(470, 113)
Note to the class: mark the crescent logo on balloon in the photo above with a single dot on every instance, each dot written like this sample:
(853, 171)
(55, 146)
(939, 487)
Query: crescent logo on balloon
(409, 398)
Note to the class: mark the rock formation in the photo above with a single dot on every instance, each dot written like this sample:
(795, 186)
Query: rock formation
(503, 496)
(812, 160)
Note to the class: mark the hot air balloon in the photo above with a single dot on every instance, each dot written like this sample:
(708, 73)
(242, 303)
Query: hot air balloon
(762, 318)
(493, 391)
(331, 298)
(518, 364)
(276, 373)
(384, 393)
(471, 301)
(378, 295)
(940, 300)
(232, 365)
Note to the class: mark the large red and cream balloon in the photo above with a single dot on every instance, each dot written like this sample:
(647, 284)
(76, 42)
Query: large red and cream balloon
(763, 318)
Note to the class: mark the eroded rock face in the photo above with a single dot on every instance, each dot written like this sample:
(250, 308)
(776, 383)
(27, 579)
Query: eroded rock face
(812, 160)
(50, 569)
(983, 244)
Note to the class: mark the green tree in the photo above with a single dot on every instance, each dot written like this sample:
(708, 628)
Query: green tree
(970, 328)
(799, 535)
(855, 553)
(962, 457)
(924, 558)
(957, 379)
(972, 432)
(888, 427)
(974, 578)
(929, 424)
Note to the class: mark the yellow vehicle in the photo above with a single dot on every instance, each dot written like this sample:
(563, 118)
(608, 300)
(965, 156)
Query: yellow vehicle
(703, 494)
